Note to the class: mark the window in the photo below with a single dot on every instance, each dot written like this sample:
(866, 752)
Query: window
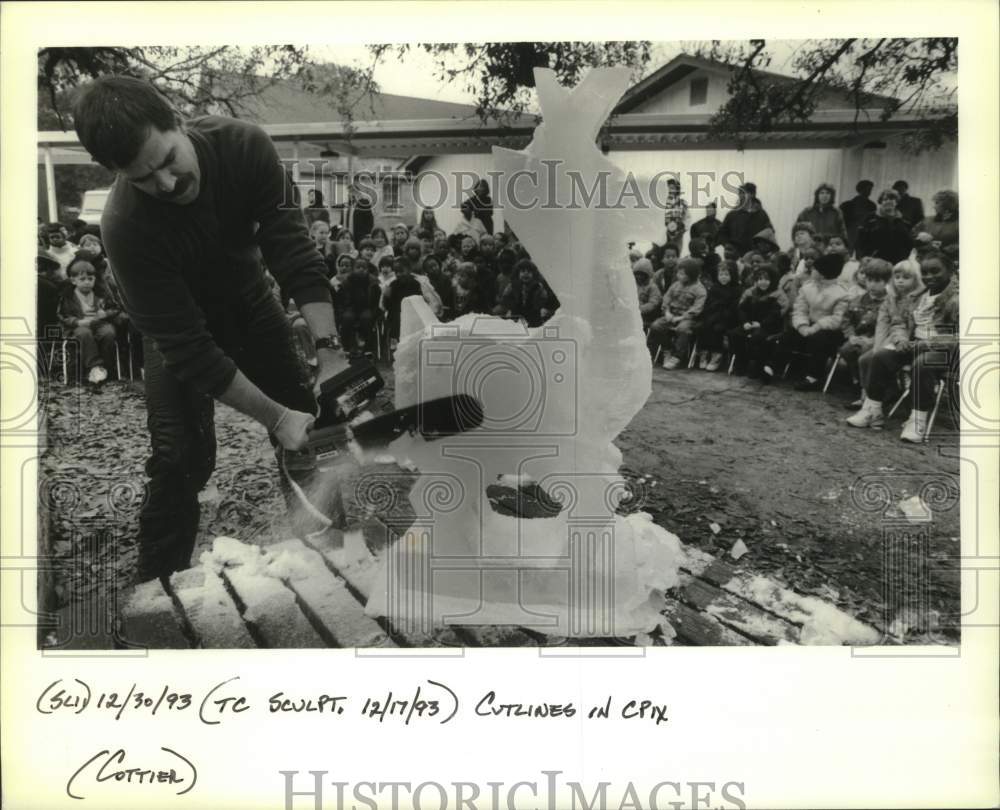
(699, 91)
(390, 194)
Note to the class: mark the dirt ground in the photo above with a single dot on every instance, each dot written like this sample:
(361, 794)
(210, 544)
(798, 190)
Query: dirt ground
(715, 459)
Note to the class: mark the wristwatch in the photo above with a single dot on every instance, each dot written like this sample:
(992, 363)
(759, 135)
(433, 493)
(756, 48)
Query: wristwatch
(327, 342)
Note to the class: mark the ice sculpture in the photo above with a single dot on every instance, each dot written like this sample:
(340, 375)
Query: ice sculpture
(555, 397)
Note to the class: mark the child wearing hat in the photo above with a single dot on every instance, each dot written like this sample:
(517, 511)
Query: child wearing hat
(682, 306)
(650, 297)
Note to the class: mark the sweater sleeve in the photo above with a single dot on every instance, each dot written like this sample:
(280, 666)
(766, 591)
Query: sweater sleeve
(800, 310)
(162, 308)
(835, 319)
(289, 252)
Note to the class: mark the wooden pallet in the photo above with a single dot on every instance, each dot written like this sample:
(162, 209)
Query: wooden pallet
(714, 605)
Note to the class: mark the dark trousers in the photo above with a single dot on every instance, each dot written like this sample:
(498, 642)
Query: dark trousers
(710, 338)
(751, 348)
(182, 431)
(819, 346)
(97, 345)
(880, 367)
(355, 325)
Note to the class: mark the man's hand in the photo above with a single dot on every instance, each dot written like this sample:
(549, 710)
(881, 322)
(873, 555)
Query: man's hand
(292, 430)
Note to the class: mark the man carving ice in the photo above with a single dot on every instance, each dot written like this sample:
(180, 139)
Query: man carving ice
(195, 208)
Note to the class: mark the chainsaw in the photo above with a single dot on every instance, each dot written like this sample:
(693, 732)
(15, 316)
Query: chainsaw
(344, 433)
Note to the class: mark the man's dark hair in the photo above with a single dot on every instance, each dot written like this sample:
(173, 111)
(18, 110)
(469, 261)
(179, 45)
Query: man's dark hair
(862, 184)
(114, 116)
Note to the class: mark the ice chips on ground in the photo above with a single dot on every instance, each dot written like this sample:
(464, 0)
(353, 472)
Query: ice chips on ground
(227, 551)
(915, 509)
(738, 550)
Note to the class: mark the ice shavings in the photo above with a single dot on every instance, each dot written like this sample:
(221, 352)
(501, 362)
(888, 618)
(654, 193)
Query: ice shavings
(822, 623)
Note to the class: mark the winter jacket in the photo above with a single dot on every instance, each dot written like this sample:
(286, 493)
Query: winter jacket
(861, 316)
(765, 308)
(707, 229)
(789, 285)
(828, 221)
(664, 277)
(528, 301)
(856, 211)
(885, 238)
(902, 325)
(720, 312)
(911, 209)
(70, 310)
(686, 301)
(650, 300)
(820, 303)
(944, 231)
(740, 226)
(894, 308)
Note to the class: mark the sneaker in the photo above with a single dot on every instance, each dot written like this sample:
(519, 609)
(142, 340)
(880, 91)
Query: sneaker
(809, 384)
(768, 372)
(714, 361)
(97, 375)
(670, 362)
(700, 359)
(870, 416)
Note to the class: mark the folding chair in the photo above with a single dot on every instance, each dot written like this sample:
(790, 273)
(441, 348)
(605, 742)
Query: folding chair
(906, 389)
(833, 370)
(694, 353)
(944, 382)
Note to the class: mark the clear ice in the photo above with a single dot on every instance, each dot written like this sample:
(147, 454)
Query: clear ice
(555, 398)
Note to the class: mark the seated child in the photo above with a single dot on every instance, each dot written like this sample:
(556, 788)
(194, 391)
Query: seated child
(360, 295)
(431, 268)
(682, 305)
(748, 265)
(87, 318)
(528, 297)
(764, 243)
(698, 248)
(718, 317)
(650, 298)
(668, 258)
(803, 236)
(467, 298)
(923, 333)
(817, 316)
(862, 314)
(836, 244)
(402, 286)
(760, 317)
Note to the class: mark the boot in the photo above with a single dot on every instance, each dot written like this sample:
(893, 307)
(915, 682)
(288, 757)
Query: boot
(915, 427)
(870, 416)
(714, 361)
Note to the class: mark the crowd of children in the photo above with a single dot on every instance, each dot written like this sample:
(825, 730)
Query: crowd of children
(860, 286)
(870, 286)
(470, 271)
(79, 301)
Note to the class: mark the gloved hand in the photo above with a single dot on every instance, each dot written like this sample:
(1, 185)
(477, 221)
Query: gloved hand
(292, 429)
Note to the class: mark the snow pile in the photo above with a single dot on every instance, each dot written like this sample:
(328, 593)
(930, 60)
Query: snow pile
(822, 623)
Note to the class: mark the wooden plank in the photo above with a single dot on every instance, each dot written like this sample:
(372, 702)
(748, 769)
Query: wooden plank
(334, 610)
(821, 622)
(737, 614)
(700, 629)
(209, 609)
(271, 610)
(347, 555)
(150, 620)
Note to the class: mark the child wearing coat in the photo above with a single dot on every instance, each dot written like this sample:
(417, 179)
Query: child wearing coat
(760, 318)
(718, 317)
(682, 306)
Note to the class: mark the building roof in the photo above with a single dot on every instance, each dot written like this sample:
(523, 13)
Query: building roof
(683, 65)
(285, 101)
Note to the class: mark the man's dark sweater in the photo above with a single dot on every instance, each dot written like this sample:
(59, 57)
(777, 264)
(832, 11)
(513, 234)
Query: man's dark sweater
(187, 273)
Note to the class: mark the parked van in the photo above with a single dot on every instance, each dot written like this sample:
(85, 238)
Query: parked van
(93, 205)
